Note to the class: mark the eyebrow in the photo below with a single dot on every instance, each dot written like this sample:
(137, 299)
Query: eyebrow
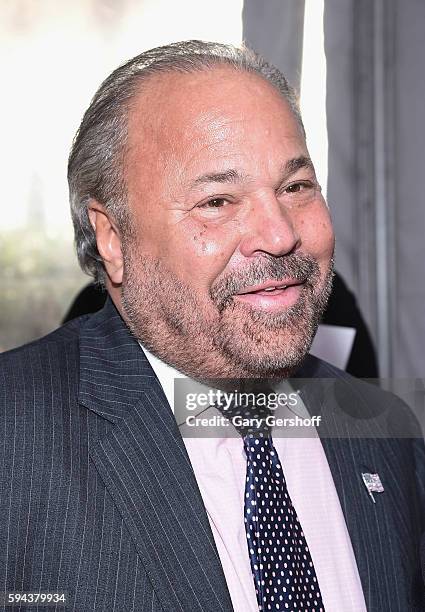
(228, 176)
(295, 164)
(233, 176)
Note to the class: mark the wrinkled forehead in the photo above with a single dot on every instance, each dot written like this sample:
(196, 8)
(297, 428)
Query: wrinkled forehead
(173, 109)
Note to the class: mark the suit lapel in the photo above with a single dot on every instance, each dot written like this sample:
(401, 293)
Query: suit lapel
(145, 467)
(371, 526)
(380, 532)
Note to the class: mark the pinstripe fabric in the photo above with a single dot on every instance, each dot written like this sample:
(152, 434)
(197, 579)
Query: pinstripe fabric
(386, 534)
(98, 496)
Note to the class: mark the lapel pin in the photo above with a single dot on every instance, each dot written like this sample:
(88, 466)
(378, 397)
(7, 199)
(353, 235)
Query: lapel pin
(373, 484)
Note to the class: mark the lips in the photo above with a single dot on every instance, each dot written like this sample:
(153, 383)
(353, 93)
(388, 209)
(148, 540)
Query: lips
(270, 287)
(271, 296)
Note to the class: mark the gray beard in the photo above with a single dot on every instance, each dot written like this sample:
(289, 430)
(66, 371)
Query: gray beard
(165, 315)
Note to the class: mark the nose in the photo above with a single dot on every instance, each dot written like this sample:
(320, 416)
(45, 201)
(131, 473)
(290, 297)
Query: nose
(269, 229)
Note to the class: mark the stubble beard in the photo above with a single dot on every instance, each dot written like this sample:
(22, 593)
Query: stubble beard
(227, 338)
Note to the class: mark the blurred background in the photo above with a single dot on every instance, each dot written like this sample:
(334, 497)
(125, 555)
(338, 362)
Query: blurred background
(359, 68)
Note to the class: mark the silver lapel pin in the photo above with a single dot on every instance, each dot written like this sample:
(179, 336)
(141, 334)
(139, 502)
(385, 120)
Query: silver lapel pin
(373, 484)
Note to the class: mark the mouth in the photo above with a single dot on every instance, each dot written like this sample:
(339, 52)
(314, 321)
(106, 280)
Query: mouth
(271, 296)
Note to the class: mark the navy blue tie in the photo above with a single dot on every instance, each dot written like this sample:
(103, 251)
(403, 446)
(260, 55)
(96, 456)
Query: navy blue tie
(281, 563)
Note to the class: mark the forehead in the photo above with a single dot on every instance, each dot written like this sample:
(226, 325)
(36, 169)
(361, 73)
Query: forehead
(207, 114)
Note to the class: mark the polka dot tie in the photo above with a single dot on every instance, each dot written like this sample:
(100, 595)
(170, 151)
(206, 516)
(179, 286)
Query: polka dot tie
(281, 563)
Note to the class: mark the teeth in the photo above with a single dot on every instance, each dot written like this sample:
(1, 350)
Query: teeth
(274, 288)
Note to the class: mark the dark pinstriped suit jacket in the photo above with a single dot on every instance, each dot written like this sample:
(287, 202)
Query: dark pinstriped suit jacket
(99, 498)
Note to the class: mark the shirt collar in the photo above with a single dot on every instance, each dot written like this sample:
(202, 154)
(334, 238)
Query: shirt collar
(165, 374)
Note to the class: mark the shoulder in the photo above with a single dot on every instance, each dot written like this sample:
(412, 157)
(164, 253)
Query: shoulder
(365, 397)
(352, 407)
(362, 410)
(39, 409)
(64, 337)
(31, 371)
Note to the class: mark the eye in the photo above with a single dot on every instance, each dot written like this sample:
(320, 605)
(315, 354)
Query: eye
(299, 187)
(214, 203)
(299, 192)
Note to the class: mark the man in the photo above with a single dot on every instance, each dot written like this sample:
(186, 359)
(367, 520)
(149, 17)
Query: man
(195, 202)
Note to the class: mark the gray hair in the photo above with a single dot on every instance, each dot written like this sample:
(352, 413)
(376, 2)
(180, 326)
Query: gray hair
(96, 161)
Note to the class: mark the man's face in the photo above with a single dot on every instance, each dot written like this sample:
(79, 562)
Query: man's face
(227, 263)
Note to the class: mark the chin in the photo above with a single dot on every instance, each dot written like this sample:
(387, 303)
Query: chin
(266, 347)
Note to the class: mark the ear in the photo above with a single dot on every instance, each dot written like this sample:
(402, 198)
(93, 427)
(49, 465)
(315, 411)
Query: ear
(108, 241)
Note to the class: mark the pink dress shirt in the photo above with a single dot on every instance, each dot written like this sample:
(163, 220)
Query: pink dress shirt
(220, 465)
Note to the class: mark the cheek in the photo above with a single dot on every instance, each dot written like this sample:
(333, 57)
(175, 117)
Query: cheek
(201, 254)
(316, 232)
